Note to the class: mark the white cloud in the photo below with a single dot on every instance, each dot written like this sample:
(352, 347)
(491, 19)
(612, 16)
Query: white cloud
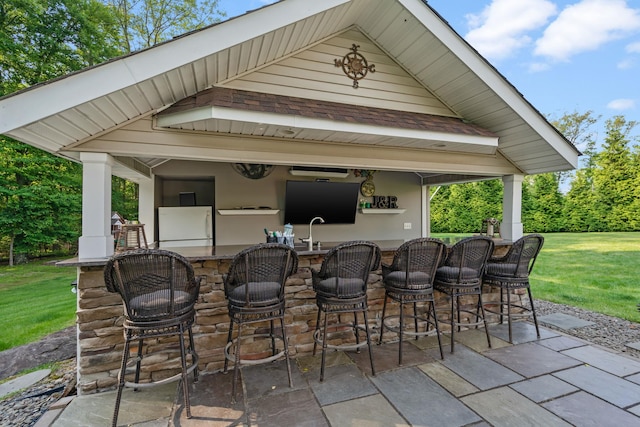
(586, 26)
(538, 67)
(626, 64)
(622, 104)
(633, 47)
(503, 26)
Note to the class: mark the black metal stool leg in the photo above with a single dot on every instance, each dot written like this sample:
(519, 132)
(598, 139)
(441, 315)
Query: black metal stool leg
(415, 319)
(453, 326)
(509, 315)
(121, 380)
(229, 336)
(484, 319)
(366, 327)
(236, 365)
(138, 361)
(286, 349)
(384, 310)
(435, 322)
(185, 384)
(355, 330)
(324, 346)
(400, 333)
(273, 338)
(316, 333)
(533, 312)
(192, 350)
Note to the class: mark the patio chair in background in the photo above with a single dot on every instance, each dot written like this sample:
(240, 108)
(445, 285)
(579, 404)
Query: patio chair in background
(511, 272)
(461, 276)
(159, 291)
(409, 280)
(254, 288)
(341, 287)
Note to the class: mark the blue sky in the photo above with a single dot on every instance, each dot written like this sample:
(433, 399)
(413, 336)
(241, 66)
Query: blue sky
(562, 55)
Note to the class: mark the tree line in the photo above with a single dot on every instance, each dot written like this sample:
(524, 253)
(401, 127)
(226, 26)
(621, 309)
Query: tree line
(603, 194)
(40, 194)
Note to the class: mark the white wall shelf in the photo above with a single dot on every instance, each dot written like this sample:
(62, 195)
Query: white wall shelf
(382, 211)
(248, 211)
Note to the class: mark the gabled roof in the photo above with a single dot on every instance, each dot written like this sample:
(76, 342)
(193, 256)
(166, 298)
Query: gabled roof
(445, 80)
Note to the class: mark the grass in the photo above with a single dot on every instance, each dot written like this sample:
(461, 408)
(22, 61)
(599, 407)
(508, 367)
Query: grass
(594, 271)
(35, 300)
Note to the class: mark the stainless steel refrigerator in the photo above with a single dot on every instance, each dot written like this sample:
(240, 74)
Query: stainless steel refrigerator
(185, 226)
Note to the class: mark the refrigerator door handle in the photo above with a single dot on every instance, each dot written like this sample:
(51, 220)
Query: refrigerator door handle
(208, 224)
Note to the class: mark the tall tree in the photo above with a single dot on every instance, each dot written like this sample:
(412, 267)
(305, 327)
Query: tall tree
(615, 177)
(462, 208)
(144, 23)
(544, 214)
(44, 39)
(578, 211)
(40, 198)
(124, 197)
(40, 40)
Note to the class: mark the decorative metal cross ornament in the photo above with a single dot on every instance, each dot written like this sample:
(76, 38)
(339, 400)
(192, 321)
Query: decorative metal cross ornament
(355, 65)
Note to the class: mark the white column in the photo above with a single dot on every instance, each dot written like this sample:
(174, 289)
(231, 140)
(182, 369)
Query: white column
(511, 227)
(96, 240)
(426, 211)
(146, 204)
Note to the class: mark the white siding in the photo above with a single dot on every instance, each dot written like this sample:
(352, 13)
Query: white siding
(312, 74)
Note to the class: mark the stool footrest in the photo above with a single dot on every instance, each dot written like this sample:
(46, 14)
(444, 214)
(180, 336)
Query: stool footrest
(272, 358)
(170, 379)
(396, 329)
(317, 336)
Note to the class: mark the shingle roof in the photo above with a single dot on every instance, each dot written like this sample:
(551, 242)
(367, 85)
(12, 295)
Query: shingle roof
(279, 104)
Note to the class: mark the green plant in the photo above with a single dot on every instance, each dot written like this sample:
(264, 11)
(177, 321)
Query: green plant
(35, 300)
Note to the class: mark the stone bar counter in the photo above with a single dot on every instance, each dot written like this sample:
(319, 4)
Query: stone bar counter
(100, 315)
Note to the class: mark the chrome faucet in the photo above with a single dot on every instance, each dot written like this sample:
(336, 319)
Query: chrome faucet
(309, 239)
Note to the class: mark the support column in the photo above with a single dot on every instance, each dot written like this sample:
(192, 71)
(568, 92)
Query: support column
(146, 204)
(511, 227)
(96, 240)
(426, 211)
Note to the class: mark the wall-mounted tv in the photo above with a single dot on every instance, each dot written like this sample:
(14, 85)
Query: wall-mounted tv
(335, 202)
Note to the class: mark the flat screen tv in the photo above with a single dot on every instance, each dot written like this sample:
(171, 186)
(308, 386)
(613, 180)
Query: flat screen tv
(335, 202)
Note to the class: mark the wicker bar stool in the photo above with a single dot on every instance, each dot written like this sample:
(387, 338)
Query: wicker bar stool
(341, 287)
(254, 288)
(461, 276)
(512, 272)
(159, 291)
(409, 280)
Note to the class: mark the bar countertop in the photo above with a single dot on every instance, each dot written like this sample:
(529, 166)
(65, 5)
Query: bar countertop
(204, 253)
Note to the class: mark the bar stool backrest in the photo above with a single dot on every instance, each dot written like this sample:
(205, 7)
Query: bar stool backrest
(418, 260)
(154, 284)
(256, 271)
(468, 258)
(351, 260)
(519, 260)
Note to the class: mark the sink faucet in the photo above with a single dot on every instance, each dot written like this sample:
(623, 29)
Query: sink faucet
(309, 239)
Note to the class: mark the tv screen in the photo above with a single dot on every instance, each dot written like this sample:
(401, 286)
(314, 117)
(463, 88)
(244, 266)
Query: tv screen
(335, 202)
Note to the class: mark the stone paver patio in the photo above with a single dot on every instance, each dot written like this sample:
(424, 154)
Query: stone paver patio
(552, 381)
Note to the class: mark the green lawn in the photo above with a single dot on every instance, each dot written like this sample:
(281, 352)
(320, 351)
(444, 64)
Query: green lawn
(35, 300)
(594, 271)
